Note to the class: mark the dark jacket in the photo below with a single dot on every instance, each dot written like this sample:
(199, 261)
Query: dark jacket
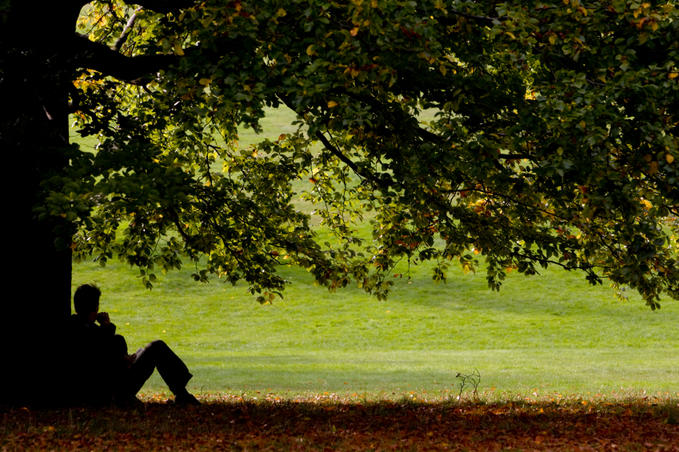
(96, 360)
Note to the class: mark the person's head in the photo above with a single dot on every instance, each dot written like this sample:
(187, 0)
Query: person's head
(86, 301)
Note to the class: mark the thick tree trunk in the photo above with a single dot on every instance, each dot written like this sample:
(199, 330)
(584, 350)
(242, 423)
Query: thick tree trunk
(34, 140)
(39, 52)
(39, 263)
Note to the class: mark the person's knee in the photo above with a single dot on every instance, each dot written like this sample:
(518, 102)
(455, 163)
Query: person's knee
(158, 344)
(153, 348)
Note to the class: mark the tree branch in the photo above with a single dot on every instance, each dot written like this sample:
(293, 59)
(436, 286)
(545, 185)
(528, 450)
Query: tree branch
(476, 17)
(164, 6)
(93, 55)
(126, 31)
(515, 157)
(346, 160)
(395, 115)
(337, 152)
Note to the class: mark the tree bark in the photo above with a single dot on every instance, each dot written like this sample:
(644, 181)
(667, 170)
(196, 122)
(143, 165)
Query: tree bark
(34, 137)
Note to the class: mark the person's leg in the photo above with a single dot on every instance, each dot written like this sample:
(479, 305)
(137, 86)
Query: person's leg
(157, 355)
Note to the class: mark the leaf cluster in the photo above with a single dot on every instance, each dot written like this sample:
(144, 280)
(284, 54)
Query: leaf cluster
(529, 135)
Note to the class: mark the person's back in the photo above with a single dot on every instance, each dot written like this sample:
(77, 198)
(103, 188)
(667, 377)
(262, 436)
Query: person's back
(96, 353)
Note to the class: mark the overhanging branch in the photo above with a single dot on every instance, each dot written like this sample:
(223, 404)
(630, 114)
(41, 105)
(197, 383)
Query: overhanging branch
(346, 160)
(109, 61)
(476, 17)
(164, 6)
(92, 55)
(395, 116)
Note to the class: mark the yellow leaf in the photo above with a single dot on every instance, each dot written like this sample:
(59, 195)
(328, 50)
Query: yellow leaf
(281, 12)
(669, 158)
(178, 49)
(354, 31)
(332, 104)
(552, 39)
(673, 75)
(653, 168)
(205, 81)
(582, 124)
(310, 50)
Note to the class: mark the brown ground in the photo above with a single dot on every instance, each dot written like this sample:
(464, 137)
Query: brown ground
(335, 424)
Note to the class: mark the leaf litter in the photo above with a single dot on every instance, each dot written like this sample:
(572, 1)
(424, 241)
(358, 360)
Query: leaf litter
(334, 422)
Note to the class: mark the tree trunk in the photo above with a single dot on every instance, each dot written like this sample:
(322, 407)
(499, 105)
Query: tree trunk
(39, 52)
(34, 139)
(39, 260)
(39, 270)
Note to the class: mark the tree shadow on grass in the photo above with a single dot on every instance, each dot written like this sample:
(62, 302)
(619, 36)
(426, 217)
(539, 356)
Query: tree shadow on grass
(326, 422)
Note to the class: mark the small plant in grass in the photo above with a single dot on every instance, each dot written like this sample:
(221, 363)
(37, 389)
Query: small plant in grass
(470, 381)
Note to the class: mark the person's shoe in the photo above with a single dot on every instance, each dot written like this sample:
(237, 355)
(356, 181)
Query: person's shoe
(186, 399)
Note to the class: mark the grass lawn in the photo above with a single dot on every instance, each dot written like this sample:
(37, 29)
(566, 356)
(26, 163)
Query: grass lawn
(551, 333)
(547, 334)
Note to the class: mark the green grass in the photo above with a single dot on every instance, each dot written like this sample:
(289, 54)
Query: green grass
(551, 333)
(545, 334)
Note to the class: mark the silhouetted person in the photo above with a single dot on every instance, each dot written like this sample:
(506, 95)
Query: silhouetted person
(104, 371)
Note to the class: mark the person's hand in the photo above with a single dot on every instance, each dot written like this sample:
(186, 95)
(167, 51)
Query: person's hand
(103, 318)
(129, 360)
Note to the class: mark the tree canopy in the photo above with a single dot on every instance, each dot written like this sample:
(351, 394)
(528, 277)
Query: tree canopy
(519, 135)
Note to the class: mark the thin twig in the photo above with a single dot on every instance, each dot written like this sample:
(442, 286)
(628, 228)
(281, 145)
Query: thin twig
(126, 31)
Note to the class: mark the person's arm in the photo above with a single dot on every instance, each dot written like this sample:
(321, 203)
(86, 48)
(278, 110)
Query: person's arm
(107, 326)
